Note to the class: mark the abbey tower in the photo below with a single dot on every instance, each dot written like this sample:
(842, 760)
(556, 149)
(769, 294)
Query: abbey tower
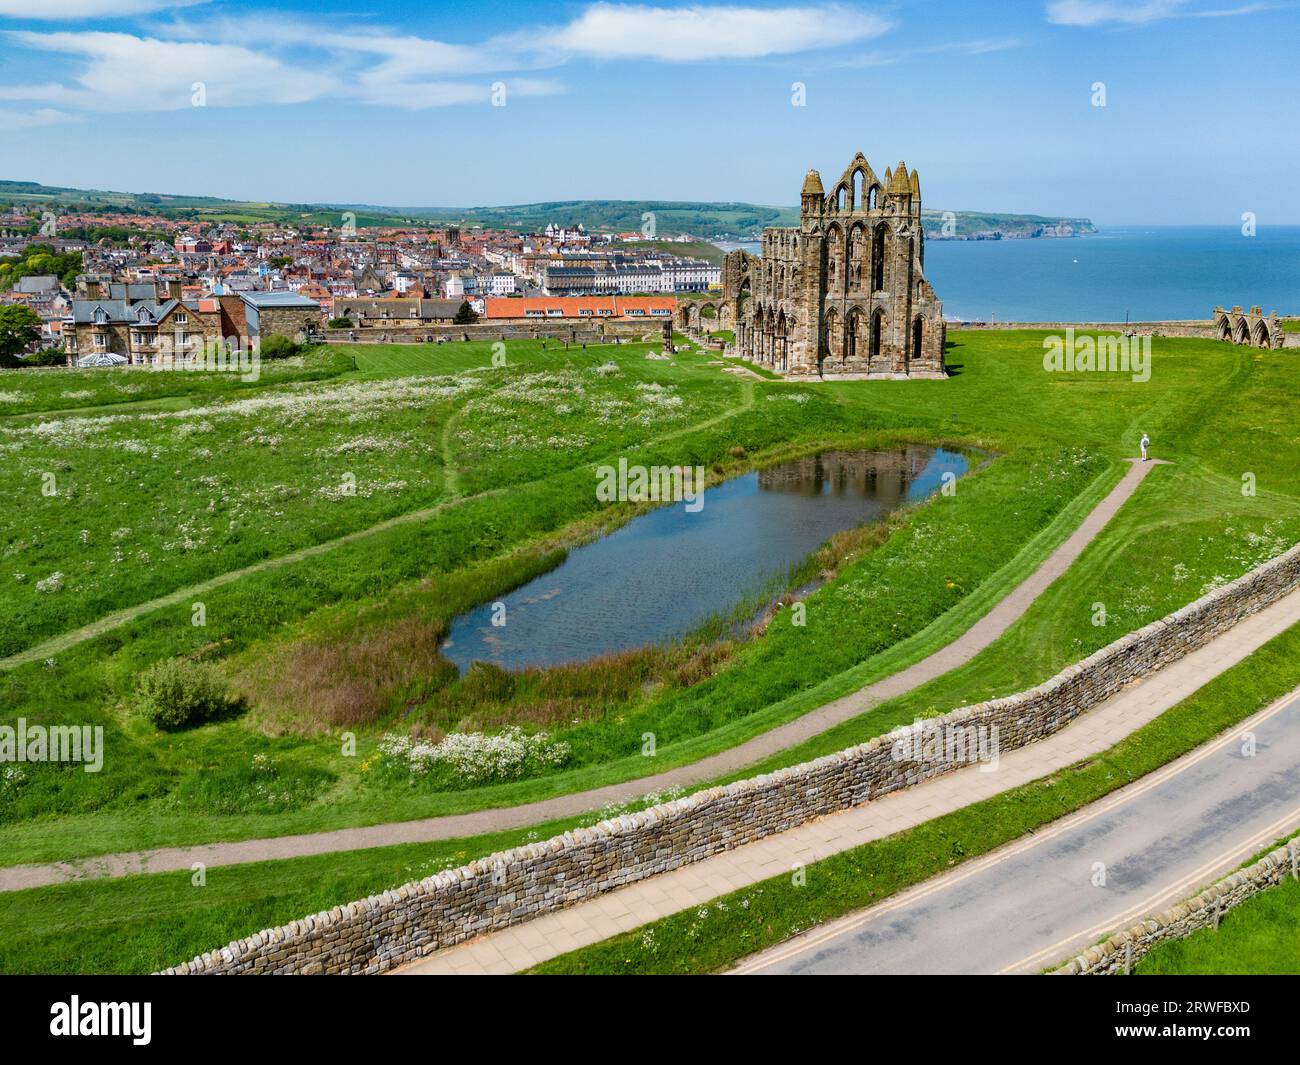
(844, 295)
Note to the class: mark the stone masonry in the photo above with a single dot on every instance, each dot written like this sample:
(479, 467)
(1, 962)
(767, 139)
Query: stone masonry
(1121, 952)
(843, 296)
(378, 933)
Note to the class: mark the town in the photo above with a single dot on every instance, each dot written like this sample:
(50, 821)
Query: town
(152, 288)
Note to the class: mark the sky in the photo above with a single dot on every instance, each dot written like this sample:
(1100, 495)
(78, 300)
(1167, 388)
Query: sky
(998, 104)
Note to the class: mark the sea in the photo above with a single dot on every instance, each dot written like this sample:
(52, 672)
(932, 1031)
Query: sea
(1144, 273)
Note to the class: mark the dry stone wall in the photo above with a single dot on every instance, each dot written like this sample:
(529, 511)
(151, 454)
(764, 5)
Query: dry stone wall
(379, 932)
(1121, 952)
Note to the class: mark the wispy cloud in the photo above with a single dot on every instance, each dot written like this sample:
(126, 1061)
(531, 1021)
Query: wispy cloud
(273, 59)
(70, 10)
(692, 34)
(45, 116)
(128, 73)
(884, 58)
(1103, 12)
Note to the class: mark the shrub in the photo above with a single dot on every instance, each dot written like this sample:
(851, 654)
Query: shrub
(47, 357)
(277, 346)
(340, 323)
(178, 693)
(474, 757)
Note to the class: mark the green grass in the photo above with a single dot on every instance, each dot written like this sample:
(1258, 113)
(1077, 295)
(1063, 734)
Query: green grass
(927, 576)
(100, 390)
(490, 509)
(1260, 937)
(718, 936)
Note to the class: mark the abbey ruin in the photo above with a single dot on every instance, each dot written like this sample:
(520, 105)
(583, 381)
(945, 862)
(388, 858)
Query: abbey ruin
(844, 295)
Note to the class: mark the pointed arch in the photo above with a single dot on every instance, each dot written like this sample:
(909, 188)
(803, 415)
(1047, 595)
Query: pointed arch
(854, 336)
(877, 340)
(832, 340)
(1242, 332)
(880, 245)
(858, 255)
(834, 271)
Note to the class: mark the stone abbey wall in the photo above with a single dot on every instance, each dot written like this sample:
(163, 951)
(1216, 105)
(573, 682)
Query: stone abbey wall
(1121, 952)
(572, 330)
(843, 295)
(382, 931)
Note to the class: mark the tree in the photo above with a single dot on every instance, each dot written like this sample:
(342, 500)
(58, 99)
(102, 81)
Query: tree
(466, 315)
(20, 328)
(340, 323)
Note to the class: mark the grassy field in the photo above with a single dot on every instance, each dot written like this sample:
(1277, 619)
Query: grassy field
(1261, 937)
(469, 478)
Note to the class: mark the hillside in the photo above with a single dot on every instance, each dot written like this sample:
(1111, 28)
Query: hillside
(712, 221)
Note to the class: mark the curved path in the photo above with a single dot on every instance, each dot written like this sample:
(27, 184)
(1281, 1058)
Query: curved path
(1022, 908)
(57, 644)
(979, 636)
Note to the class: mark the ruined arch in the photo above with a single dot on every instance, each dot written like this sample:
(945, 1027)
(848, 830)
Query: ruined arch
(1222, 328)
(877, 335)
(1262, 339)
(854, 336)
(858, 255)
(880, 245)
(835, 257)
(832, 339)
(1242, 333)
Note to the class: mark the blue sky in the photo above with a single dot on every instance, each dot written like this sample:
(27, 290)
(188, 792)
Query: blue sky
(354, 101)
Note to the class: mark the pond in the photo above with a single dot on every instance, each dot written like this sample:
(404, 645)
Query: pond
(668, 571)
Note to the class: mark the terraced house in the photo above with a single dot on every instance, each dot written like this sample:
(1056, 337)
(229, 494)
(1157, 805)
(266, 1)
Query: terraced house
(148, 323)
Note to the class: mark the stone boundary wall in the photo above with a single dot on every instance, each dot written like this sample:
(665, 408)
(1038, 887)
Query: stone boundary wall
(377, 933)
(573, 330)
(1189, 328)
(1202, 329)
(1121, 952)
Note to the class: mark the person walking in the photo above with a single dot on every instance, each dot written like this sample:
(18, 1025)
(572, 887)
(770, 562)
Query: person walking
(1146, 443)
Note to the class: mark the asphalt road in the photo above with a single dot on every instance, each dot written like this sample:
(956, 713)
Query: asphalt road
(1036, 903)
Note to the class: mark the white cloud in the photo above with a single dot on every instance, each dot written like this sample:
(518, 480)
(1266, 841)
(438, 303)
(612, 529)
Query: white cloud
(1101, 12)
(128, 73)
(45, 116)
(691, 34)
(263, 59)
(51, 10)
(980, 46)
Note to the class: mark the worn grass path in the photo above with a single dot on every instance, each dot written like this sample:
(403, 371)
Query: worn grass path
(979, 636)
(57, 644)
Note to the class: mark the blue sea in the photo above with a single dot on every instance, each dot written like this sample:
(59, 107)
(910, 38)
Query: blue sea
(1144, 272)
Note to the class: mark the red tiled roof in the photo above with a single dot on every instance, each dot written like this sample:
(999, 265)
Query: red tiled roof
(574, 306)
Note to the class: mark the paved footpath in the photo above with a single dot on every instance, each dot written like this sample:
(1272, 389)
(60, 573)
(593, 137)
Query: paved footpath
(979, 636)
(1034, 905)
(1172, 823)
